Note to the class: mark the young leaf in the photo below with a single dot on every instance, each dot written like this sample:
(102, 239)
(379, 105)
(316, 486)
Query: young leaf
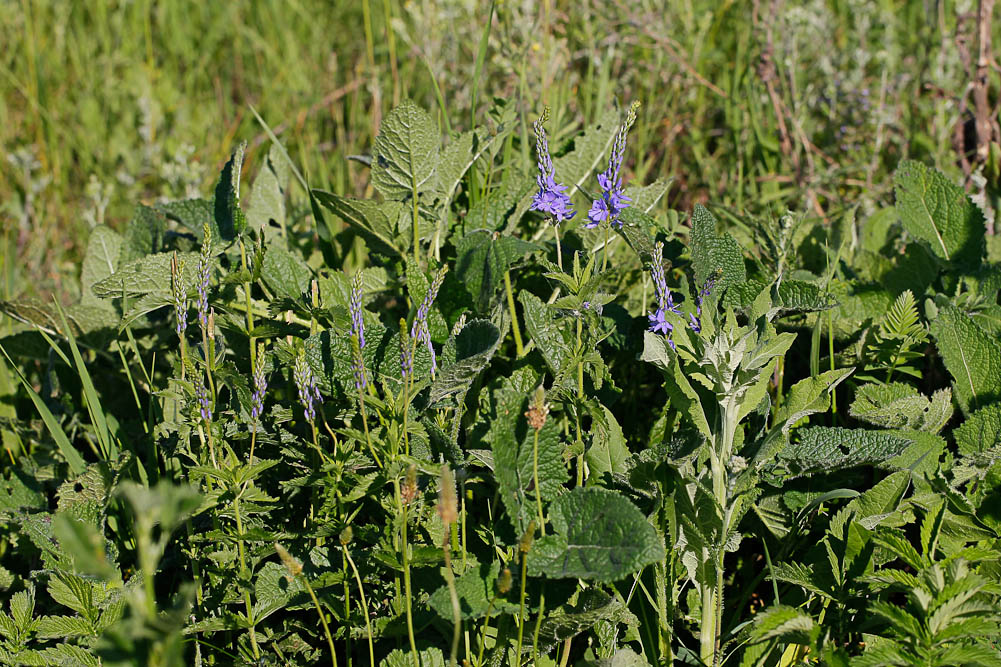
(405, 153)
(712, 252)
(227, 212)
(939, 213)
(971, 356)
(599, 534)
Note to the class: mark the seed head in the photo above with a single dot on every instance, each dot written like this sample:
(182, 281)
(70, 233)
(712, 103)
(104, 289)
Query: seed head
(539, 410)
(504, 581)
(293, 566)
(527, 538)
(447, 501)
(408, 493)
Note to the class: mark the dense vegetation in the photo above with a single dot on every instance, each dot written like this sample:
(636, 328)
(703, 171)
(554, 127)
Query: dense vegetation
(513, 373)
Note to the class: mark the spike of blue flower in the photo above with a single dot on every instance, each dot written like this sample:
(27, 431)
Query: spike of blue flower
(551, 197)
(354, 305)
(612, 201)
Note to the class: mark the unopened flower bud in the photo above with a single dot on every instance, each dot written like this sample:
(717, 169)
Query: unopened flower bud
(525, 543)
(504, 581)
(447, 501)
(346, 536)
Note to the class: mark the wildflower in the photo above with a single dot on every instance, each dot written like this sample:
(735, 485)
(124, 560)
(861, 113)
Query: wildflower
(659, 323)
(357, 323)
(358, 363)
(694, 322)
(260, 386)
(665, 300)
(538, 411)
(180, 297)
(419, 331)
(305, 382)
(204, 403)
(612, 201)
(551, 197)
(406, 351)
(204, 273)
(408, 493)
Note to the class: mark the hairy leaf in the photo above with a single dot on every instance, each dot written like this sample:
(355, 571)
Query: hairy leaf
(971, 356)
(405, 153)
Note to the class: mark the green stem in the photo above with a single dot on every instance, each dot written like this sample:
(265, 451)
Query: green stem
(521, 606)
(604, 254)
(364, 421)
(404, 557)
(515, 330)
(243, 570)
(250, 310)
(323, 620)
(454, 597)
(538, 625)
(535, 481)
(580, 404)
(483, 632)
(559, 251)
(364, 606)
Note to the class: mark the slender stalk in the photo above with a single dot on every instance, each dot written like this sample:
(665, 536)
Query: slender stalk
(604, 254)
(454, 597)
(521, 606)
(323, 620)
(404, 557)
(538, 625)
(243, 569)
(535, 481)
(580, 400)
(483, 632)
(559, 251)
(250, 310)
(515, 330)
(364, 421)
(364, 606)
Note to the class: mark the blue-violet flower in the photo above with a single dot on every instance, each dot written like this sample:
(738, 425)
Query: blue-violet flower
(551, 197)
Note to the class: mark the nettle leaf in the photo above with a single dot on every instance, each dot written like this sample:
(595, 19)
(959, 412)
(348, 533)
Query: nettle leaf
(980, 431)
(192, 214)
(608, 452)
(474, 347)
(899, 405)
(592, 607)
(599, 534)
(377, 222)
(712, 253)
(267, 198)
(461, 153)
(476, 588)
(683, 395)
(939, 213)
(513, 446)
(493, 211)
(100, 261)
(544, 331)
(482, 257)
(429, 657)
(143, 235)
(286, 274)
(829, 448)
(639, 231)
(972, 357)
(645, 197)
(148, 274)
(226, 209)
(792, 295)
(405, 153)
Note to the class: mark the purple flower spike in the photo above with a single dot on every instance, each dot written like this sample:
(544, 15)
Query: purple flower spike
(612, 201)
(204, 274)
(204, 403)
(179, 295)
(659, 323)
(305, 382)
(551, 197)
(260, 386)
(419, 331)
(357, 323)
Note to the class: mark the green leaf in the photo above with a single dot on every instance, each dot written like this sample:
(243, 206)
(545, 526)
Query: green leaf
(148, 274)
(55, 627)
(192, 214)
(830, 448)
(476, 588)
(474, 347)
(405, 153)
(683, 396)
(639, 231)
(789, 624)
(939, 213)
(267, 198)
(712, 253)
(544, 332)
(482, 257)
(980, 431)
(808, 396)
(513, 446)
(143, 234)
(899, 405)
(972, 357)
(286, 274)
(101, 260)
(459, 155)
(226, 209)
(599, 534)
(378, 223)
(623, 657)
(592, 607)
(65, 447)
(645, 197)
(608, 453)
(429, 657)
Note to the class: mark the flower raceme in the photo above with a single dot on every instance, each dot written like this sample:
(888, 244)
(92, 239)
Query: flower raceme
(419, 332)
(551, 197)
(612, 201)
